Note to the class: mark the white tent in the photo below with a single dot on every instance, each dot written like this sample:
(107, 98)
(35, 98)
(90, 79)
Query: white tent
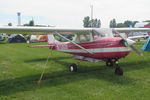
(34, 38)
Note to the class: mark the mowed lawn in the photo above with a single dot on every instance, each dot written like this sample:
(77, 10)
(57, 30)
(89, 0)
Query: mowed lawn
(21, 68)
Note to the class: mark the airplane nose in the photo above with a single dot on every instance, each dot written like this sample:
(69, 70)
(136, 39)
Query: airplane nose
(130, 42)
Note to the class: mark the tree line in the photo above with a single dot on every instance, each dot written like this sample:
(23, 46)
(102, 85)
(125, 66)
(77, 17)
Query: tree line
(95, 23)
(31, 23)
(126, 23)
(87, 22)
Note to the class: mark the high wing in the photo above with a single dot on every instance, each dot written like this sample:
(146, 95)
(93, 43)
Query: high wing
(128, 30)
(45, 30)
(41, 30)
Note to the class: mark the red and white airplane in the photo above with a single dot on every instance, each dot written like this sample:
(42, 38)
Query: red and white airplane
(92, 44)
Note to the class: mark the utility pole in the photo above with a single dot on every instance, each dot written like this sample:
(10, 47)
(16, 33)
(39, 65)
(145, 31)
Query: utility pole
(91, 15)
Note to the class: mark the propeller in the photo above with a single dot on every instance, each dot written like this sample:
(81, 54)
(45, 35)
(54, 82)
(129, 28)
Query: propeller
(128, 42)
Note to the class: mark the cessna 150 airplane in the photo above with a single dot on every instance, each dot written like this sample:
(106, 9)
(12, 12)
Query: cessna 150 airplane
(92, 44)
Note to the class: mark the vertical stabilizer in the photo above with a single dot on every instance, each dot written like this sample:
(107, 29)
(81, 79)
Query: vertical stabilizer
(51, 39)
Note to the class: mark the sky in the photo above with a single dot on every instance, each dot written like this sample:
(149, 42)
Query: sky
(70, 13)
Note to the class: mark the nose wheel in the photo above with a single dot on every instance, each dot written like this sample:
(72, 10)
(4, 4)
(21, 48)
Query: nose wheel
(112, 62)
(118, 70)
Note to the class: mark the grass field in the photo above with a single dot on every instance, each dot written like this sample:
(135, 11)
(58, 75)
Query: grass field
(21, 67)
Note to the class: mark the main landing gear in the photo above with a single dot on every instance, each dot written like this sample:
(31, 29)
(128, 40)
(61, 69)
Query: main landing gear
(111, 63)
(73, 67)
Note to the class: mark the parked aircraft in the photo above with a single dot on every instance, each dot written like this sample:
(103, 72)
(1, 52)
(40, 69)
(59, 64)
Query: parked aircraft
(138, 36)
(92, 44)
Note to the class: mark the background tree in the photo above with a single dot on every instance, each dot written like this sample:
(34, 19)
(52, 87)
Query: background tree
(126, 23)
(86, 21)
(113, 23)
(95, 23)
(31, 23)
(91, 23)
(9, 24)
(147, 21)
(120, 25)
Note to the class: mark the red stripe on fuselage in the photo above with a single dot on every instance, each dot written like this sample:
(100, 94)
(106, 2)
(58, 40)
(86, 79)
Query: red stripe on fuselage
(103, 43)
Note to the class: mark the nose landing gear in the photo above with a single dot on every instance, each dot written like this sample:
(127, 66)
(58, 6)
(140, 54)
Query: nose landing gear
(118, 71)
(112, 62)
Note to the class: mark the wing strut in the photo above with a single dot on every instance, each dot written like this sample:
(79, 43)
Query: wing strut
(75, 43)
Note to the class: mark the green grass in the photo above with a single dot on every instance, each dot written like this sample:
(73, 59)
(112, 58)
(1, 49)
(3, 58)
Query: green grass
(21, 67)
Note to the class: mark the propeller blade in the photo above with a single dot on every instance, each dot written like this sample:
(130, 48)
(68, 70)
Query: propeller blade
(136, 50)
(128, 42)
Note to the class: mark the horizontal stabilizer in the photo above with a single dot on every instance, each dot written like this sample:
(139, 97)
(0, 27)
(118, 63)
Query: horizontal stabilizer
(41, 46)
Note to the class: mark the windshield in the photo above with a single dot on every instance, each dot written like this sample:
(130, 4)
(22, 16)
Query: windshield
(95, 35)
(103, 32)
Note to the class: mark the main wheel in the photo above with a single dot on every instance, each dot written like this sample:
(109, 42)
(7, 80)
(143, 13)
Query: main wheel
(73, 67)
(118, 71)
(109, 63)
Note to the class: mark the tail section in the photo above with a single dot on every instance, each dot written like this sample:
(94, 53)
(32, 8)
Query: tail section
(51, 39)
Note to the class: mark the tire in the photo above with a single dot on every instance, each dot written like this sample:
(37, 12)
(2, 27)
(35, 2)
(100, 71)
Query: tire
(118, 71)
(109, 63)
(73, 68)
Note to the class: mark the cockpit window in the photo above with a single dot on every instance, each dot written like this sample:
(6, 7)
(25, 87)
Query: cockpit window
(98, 35)
(93, 35)
(84, 37)
(104, 32)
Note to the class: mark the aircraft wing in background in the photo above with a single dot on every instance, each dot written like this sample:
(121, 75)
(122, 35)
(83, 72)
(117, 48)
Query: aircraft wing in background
(40, 30)
(128, 30)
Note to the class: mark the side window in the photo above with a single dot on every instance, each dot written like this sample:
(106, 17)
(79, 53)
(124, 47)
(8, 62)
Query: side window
(83, 37)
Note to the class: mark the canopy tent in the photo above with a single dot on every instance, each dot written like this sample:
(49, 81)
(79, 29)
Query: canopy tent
(16, 38)
(146, 46)
(36, 38)
(43, 38)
